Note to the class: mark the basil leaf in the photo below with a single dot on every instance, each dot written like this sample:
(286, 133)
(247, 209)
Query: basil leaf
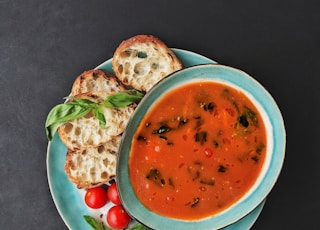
(79, 107)
(62, 113)
(252, 116)
(82, 102)
(52, 129)
(139, 227)
(123, 98)
(98, 113)
(96, 225)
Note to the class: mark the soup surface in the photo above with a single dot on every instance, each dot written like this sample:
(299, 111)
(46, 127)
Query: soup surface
(198, 150)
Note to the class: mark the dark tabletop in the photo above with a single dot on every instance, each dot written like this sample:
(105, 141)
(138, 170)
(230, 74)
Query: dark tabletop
(45, 44)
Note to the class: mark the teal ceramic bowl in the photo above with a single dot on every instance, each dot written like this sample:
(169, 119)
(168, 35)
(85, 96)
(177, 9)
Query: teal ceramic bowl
(275, 154)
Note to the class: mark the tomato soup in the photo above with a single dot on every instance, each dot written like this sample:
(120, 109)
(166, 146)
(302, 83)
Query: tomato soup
(197, 151)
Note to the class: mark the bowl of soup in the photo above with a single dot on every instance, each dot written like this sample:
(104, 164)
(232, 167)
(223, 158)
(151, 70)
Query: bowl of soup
(203, 149)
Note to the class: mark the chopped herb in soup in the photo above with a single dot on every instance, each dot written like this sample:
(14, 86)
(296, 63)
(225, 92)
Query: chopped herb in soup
(197, 151)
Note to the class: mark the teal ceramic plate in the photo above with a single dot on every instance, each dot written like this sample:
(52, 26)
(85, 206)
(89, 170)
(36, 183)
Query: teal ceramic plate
(69, 200)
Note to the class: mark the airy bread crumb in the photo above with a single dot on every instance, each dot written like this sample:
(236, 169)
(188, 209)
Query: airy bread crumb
(92, 166)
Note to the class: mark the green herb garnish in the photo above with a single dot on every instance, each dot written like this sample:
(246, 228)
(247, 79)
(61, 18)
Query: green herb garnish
(201, 137)
(138, 227)
(209, 107)
(123, 98)
(222, 169)
(162, 129)
(141, 54)
(77, 108)
(260, 148)
(252, 116)
(155, 176)
(195, 202)
(97, 225)
(243, 121)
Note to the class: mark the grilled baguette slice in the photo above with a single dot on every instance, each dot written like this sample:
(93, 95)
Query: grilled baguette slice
(96, 80)
(143, 60)
(92, 166)
(86, 132)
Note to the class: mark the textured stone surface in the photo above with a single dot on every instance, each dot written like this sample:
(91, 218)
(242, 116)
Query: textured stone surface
(45, 44)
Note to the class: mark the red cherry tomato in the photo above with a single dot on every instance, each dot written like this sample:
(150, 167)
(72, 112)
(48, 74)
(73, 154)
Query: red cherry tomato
(96, 197)
(117, 217)
(113, 194)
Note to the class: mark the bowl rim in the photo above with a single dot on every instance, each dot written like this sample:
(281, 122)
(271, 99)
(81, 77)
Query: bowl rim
(256, 92)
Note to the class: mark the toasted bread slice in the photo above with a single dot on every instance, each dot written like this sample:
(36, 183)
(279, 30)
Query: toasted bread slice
(92, 166)
(86, 132)
(142, 61)
(96, 80)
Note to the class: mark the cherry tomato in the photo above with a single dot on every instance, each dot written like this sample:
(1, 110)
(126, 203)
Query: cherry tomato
(96, 197)
(117, 217)
(113, 194)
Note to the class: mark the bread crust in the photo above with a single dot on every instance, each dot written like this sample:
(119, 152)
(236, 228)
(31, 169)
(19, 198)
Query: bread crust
(93, 166)
(96, 80)
(142, 61)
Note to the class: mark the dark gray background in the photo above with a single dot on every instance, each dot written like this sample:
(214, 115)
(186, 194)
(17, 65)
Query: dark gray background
(45, 44)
